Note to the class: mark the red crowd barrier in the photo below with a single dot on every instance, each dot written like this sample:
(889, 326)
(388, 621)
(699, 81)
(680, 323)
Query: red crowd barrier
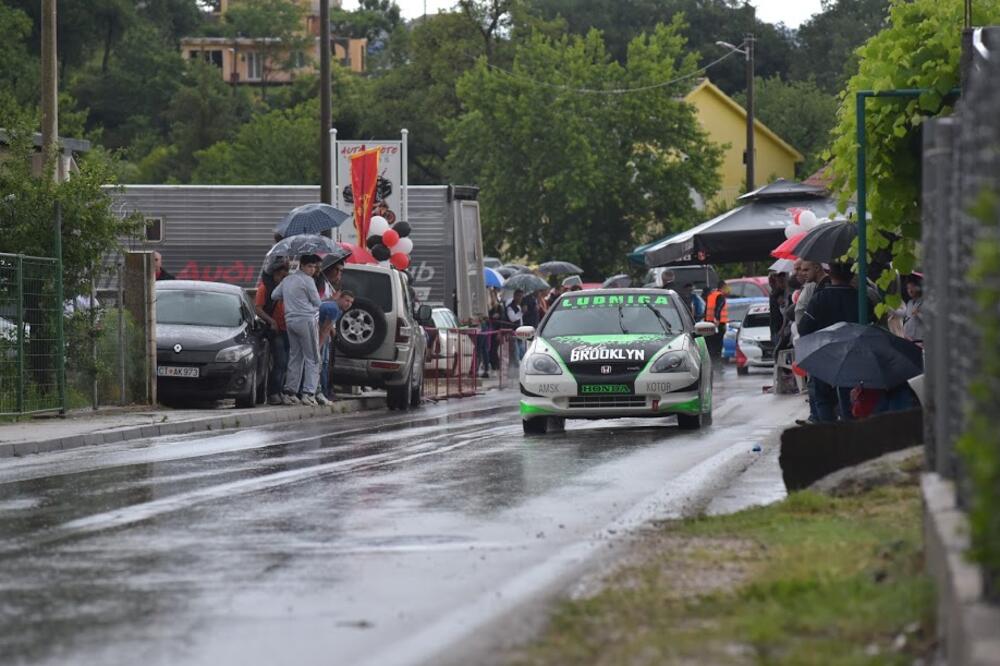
(455, 359)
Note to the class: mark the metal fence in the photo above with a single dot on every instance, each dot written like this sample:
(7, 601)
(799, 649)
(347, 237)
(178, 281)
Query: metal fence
(961, 171)
(29, 336)
(108, 336)
(462, 361)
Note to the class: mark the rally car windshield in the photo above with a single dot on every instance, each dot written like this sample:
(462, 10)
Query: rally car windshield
(613, 315)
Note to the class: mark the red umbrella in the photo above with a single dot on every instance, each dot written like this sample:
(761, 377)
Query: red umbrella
(787, 249)
(359, 255)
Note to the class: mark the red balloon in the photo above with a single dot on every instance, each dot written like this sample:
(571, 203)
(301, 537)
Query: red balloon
(390, 237)
(399, 261)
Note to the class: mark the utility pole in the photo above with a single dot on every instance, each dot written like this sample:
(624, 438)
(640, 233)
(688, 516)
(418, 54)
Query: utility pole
(326, 182)
(50, 89)
(748, 157)
(50, 152)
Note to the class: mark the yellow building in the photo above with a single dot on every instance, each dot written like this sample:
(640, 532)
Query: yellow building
(242, 60)
(725, 121)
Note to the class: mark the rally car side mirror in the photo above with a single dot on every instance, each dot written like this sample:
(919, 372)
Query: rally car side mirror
(705, 328)
(524, 332)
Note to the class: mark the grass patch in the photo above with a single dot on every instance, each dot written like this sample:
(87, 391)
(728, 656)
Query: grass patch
(811, 580)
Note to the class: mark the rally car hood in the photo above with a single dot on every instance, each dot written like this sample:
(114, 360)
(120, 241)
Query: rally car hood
(610, 358)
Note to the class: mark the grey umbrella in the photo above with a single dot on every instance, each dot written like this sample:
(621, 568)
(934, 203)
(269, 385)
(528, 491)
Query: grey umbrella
(559, 268)
(311, 218)
(507, 271)
(526, 282)
(295, 246)
(848, 354)
(619, 281)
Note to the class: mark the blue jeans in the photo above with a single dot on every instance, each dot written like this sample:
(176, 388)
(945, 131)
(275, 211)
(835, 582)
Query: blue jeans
(279, 363)
(324, 373)
(823, 401)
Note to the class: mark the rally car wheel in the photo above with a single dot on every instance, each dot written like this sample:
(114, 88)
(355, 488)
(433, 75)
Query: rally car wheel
(534, 426)
(690, 421)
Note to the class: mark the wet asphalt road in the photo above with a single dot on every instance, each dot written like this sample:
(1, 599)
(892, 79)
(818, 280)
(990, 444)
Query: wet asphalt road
(376, 538)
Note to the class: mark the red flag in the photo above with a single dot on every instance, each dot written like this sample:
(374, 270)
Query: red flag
(364, 178)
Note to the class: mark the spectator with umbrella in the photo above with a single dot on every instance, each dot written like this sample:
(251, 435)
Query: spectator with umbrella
(833, 304)
(302, 303)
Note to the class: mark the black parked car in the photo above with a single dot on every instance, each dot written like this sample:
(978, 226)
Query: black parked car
(209, 343)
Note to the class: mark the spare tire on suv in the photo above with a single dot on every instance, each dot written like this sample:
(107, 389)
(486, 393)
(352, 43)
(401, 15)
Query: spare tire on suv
(362, 329)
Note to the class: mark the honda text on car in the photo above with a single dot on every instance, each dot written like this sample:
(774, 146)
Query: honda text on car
(613, 353)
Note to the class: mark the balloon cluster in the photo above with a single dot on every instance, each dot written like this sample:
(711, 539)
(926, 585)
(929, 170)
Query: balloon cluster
(802, 221)
(390, 243)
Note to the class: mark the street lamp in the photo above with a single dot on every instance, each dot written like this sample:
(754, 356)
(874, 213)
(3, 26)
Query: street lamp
(747, 50)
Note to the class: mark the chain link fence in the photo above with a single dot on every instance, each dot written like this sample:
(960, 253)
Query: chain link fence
(29, 338)
(961, 185)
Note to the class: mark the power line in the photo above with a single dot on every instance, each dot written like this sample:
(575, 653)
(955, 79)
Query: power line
(610, 91)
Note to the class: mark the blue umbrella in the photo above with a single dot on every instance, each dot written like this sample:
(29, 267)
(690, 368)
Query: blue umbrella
(311, 218)
(493, 279)
(848, 354)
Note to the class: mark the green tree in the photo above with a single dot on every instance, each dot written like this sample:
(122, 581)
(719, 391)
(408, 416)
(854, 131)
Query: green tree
(275, 28)
(708, 21)
(800, 113)
(374, 20)
(129, 99)
(204, 111)
(417, 90)
(90, 228)
(276, 148)
(579, 176)
(174, 18)
(827, 43)
(920, 48)
(19, 74)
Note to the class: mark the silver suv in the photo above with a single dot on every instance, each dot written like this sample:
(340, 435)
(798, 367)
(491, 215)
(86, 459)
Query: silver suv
(380, 342)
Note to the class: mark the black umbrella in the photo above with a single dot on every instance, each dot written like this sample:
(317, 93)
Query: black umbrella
(620, 281)
(746, 233)
(295, 246)
(311, 218)
(515, 268)
(826, 242)
(559, 268)
(847, 354)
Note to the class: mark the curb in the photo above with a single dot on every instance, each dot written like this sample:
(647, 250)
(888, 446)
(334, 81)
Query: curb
(246, 418)
(967, 626)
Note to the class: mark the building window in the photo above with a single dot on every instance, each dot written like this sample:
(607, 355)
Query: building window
(154, 229)
(299, 60)
(214, 57)
(254, 66)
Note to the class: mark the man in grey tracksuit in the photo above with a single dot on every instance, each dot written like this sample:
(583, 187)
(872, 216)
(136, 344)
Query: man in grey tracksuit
(301, 298)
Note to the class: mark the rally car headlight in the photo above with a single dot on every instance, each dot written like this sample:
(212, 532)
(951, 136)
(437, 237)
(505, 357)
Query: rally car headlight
(676, 361)
(541, 364)
(233, 354)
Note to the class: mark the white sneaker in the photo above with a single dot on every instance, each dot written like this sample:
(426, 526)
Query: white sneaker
(308, 400)
(289, 399)
(322, 399)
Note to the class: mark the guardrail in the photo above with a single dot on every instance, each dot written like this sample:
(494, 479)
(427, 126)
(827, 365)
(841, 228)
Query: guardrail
(460, 361)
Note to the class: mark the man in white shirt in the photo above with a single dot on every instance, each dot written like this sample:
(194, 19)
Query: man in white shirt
(515, 316)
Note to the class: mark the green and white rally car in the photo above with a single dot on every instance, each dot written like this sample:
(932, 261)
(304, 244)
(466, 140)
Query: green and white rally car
(611, 353)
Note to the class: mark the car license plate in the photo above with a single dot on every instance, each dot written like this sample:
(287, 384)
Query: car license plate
(176, 371)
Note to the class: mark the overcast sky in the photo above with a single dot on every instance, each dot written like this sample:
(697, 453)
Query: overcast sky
(792, 12)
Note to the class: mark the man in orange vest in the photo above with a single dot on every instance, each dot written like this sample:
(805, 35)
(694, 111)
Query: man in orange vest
(717, 312)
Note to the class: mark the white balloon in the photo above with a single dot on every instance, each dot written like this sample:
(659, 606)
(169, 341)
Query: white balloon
(405, 245)
(808, 220)
(379, 225)
(792, 230)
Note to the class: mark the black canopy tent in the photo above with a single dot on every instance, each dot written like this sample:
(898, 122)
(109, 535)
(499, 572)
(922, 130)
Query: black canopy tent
(746, 233)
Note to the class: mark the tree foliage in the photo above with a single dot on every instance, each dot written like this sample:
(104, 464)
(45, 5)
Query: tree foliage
(274, 27)
(920, 48)
(90, 228)
(581, 176)
(800, 113)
